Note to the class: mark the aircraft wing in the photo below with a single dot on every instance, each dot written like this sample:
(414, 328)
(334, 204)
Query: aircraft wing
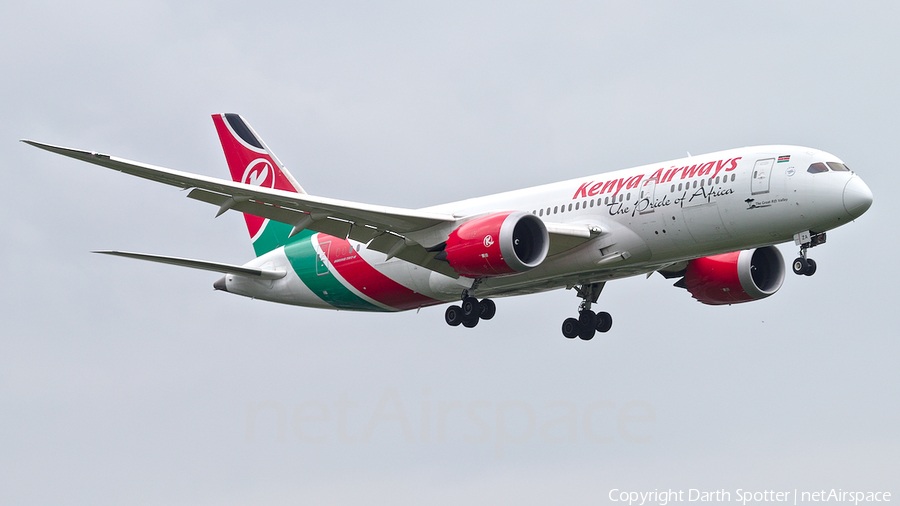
(385, 229)
(381, 217)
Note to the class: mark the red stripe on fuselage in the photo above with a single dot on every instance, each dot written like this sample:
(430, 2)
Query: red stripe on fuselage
(368, 280)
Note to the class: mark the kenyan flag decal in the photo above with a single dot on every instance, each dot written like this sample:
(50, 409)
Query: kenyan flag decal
(784, 158)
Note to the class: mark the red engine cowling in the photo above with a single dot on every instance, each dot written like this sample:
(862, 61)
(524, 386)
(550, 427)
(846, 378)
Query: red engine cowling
(497, 244)
(731, 278)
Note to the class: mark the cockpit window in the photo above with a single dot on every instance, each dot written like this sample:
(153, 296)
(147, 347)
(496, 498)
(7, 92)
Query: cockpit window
(840, 167)
(817, 167)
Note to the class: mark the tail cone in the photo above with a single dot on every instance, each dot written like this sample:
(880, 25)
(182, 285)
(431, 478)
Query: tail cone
(220, 285)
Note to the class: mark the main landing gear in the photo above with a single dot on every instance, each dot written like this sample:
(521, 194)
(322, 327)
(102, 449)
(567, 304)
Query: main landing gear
(587, 322)
(470, 312)
(803, 265)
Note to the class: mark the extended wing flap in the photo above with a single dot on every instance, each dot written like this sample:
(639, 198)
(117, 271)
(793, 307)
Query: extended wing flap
(238, 270)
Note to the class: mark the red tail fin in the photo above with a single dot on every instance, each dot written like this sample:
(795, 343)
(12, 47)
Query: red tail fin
(251, 162)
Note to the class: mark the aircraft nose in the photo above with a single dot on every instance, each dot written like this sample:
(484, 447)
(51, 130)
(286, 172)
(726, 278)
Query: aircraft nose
(857, 197)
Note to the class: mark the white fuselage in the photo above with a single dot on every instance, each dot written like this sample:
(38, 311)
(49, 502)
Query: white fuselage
(650, 217)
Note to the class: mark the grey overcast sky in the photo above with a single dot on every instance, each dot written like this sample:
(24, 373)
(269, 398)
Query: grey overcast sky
(123, 382)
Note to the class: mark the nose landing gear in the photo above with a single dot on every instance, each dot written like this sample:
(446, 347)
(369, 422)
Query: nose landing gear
(587, 322)
(803, 265)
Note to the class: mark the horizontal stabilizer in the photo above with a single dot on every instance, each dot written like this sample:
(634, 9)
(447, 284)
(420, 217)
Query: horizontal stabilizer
(237, 270)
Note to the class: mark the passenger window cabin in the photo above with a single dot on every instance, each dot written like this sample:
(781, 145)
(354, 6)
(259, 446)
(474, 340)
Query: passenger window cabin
(599, 201)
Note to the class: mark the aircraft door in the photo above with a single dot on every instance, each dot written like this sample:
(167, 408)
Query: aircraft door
(762, 173)
(646, 198)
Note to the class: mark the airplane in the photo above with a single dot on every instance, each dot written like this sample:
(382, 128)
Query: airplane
(712, 221)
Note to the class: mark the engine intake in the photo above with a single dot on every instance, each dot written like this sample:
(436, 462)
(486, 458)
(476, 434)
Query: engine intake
(732, 278)
(497, 244)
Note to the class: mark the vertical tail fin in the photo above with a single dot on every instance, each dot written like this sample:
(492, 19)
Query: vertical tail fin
(250, 161)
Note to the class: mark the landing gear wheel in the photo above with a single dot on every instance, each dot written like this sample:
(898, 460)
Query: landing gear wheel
(586, 333)
(488, 309)
(471, 308)
(470, 311)
(604, 321)
(810, 267)
(800, 265)
(587, 319)
(570, 328)
(588, 323)
(453, 316)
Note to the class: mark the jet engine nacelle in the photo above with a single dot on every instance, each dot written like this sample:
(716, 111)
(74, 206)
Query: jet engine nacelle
(497, 244)
(731, 278)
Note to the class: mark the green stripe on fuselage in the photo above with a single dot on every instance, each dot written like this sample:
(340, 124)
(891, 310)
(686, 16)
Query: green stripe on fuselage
(274, 235)
(315, 275)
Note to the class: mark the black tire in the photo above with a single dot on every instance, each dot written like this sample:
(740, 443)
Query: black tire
(453, 316)
(800, 266)
(587, 319)
(470, 322)
(810, 267)
(586, 333)
(570, 328)
(488, 309)
(604, 321)
(471, 307)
